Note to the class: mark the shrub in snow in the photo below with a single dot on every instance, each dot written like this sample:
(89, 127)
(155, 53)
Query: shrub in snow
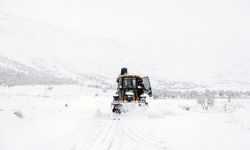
(201, 101)
(210, 101)
(229, 107)
(50, 88)
(96, 94)
(19, 114)
(206, 100)
(187, 108)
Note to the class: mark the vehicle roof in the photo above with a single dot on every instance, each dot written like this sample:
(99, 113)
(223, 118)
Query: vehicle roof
(130, 76)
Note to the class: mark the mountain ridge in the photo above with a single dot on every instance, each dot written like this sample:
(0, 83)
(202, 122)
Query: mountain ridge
(159, 55)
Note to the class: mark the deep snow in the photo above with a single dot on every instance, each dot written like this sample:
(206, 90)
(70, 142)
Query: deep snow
(86, 122)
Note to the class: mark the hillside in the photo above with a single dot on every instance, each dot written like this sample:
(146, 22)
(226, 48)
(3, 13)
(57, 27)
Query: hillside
(64, 53)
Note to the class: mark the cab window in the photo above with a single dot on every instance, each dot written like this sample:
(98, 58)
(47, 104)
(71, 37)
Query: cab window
(129, 83)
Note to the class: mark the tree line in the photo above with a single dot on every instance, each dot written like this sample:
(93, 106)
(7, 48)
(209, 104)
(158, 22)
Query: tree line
(196, 94)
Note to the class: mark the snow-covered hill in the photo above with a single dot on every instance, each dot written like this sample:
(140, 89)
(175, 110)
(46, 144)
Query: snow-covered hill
(15, 73)
(69, 54)
(71, 49)
(34, 53)
(44, 72)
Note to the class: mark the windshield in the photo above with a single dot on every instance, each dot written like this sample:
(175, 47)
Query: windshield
(129, 83)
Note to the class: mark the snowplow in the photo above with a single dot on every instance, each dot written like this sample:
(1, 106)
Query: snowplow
(131, 91)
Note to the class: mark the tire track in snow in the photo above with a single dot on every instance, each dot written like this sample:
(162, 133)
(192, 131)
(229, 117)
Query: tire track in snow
(112, 139)
(149, 135)
(110, 145)
(145, 140)
(136, 141)
(103, 138)
(120, 134)
(93, 135)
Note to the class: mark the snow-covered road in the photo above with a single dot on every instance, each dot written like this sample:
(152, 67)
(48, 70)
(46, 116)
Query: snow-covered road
(85, 123)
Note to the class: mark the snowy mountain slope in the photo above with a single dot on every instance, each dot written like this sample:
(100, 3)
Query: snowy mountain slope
(159, 54)
(50, 67)
(45, 72)
(74, 50)
(15, 73)
(61, 71)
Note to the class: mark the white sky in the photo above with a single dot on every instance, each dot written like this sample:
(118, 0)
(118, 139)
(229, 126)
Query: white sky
(126, 18)
(92, 17)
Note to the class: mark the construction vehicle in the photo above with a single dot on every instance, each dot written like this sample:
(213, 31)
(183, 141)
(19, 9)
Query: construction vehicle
(131, 89)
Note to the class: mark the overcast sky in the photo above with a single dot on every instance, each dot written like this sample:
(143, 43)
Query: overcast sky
(93, 16)
(127, 18)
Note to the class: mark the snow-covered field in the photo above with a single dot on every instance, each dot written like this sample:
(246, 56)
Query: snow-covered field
(79, 118)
